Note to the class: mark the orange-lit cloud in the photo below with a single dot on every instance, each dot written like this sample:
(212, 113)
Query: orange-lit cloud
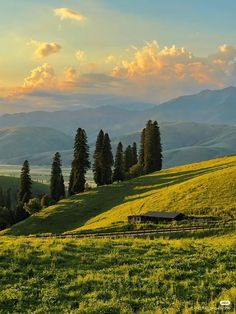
(111, 59)
(45, 49)
(80, 55)
(65, 13)
(150, 72)
(41, 77)
(173, 71)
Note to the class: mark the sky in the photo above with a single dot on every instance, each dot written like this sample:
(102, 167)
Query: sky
(53, 51)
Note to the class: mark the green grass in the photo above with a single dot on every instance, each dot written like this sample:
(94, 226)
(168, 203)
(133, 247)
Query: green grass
(116, 276)
(206, 188)
(14, 183)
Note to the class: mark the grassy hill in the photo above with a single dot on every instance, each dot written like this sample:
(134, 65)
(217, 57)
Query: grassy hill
(207, 188)
(23, 142)
(183, 143)
(189, 142)
(14, 183)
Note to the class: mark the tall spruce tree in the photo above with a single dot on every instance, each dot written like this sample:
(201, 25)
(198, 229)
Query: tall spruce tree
(157, 140)
(152, 148)
(134, 154)
(57, 187)
(80, 163)
(141, 152)
(128, 158)
(2, 199)
(98, 156)
(8, 200)
(107, 160)
(119, 171)
(25, 183)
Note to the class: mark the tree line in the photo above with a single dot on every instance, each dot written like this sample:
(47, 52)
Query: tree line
(107, 169)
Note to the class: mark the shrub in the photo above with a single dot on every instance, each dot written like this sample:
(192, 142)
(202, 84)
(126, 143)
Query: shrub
(136, 171)
(47, 201)
(33, 206)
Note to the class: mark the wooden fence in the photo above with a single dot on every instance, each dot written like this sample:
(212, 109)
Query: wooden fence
(210, 225)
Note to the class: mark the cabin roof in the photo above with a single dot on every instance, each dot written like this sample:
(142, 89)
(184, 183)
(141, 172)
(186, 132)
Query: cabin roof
(169, 215)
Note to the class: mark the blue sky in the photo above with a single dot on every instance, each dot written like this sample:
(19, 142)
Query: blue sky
(119, 31)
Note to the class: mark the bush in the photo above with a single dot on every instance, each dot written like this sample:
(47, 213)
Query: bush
(136, 171)
(33, 206)
(47, 201)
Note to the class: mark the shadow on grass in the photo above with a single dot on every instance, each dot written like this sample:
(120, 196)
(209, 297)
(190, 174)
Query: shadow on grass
(73, 213)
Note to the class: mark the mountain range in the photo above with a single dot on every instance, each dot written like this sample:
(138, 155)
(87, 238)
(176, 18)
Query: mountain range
(183, 142)
(194, 128)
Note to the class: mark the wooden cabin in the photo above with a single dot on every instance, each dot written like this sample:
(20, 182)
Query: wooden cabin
(156, 217)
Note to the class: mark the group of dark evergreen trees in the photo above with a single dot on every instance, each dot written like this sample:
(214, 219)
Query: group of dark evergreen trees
(128, 163)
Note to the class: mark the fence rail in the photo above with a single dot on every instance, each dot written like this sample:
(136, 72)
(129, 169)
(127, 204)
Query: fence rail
(227, 225)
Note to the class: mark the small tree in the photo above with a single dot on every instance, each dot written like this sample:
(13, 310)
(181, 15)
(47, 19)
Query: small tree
(57, 186)
(119, 171)
(25, 183)
(80, 163)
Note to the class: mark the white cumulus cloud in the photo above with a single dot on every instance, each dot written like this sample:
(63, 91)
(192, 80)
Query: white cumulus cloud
(45, 49)
(66, 13)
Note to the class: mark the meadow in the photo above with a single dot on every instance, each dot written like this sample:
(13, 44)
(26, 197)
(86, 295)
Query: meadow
(206, 188)
(117, 276)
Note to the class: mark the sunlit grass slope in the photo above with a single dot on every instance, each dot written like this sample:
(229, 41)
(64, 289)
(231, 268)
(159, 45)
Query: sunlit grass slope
(207, 188)
(123, 276)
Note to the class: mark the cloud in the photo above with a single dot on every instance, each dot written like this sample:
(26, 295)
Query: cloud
(70, 74)
(111, 59)
(80, 55)
(151, 73)
(65, 13)
(41, 77)
(45, 49)
(162, 73)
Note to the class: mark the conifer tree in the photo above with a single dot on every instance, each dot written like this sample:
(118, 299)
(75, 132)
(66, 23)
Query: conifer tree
(134, 154)
(141, 152)
(98, 155)
(128, 158)
(157, 141)
(107, 160)
(57, 187)
(80, 163)
(2, 199)
(20, 213)
(152, 148)
(119, 171)
(25, 183)
(8, 199)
